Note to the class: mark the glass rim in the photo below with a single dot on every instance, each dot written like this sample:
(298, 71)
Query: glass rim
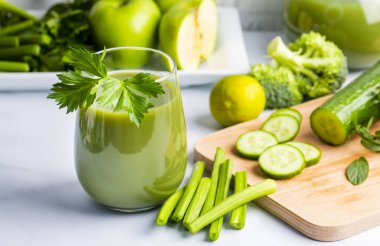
(163, 78)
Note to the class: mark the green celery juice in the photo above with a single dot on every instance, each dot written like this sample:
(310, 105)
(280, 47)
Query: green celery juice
(342, 21)
(126, 167)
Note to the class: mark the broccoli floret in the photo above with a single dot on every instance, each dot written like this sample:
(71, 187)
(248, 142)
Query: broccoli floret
(320, 61)
(280, 84)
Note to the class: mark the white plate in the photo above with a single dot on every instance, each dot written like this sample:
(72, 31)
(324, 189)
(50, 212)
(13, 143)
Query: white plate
(229, 57)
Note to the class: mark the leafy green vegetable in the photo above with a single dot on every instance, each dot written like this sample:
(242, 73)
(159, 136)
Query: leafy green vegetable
(14, 19)
(279, 83)
(68, 25)
(78, 88)
(64, 24)
(318, 60)
(357, 171)
(11, 14)
(310, 67)
(368, 140)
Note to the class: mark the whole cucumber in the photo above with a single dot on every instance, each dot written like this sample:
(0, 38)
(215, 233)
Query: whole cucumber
(334, 121)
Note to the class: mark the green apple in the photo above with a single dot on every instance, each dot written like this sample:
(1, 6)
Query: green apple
(118, 23)
(188, 32)
(178, 35)
(166, 4)
(208, 27)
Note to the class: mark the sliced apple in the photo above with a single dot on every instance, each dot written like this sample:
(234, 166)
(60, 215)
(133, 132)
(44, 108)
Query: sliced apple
(178, 35)
(207, 19)
(188, 32)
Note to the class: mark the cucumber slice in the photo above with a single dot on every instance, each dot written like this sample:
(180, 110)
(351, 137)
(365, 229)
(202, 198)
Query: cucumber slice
(311, 152)
(253, 143)
(281, 161)
(288, 111)
(283, 127)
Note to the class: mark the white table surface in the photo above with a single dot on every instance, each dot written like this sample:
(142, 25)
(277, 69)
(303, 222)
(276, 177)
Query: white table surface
(42, 202)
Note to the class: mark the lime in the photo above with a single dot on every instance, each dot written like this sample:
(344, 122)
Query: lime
(236, 98)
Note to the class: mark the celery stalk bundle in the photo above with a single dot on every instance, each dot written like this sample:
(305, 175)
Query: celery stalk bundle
(205, 201)
(28, 43)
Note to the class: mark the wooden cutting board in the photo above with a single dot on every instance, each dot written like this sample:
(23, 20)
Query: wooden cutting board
(319, 202)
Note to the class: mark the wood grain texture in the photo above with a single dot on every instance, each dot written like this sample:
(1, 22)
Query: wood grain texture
(319, 202)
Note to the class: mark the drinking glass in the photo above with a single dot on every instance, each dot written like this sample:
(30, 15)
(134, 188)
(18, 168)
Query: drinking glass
(123, 166)
(353, 25)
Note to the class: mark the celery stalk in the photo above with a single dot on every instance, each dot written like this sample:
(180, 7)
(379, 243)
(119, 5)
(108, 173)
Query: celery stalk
(4, 5)
(232, 202)
(16, 52)
(183, 204)
(168, 207)
(9, 41)
(10, 66)
(197, 202)
(35, 39)
(15, 28)
(237, 220)
(224, 180)
(210, 200)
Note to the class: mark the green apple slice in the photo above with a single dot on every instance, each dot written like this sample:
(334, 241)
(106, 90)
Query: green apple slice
(208, 24)
(179, 35)
(188, 32)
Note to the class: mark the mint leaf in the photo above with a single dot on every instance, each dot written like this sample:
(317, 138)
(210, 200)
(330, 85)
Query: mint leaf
(80, 88)
(364, 132)
(377, 135)
(357, 171)
(370, 142)
(371, 145)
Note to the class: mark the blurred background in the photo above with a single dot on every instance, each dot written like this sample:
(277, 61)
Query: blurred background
(255, 14)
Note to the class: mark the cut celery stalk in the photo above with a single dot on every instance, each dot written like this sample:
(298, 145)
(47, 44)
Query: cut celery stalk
(238, 215)
(225, 174)
(183, 204)
(234, 201)
(210, 200)
(197, 202)
(168, 207)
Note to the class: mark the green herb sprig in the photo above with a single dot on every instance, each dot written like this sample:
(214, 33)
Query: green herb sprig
(89, 82)
(369, 141)
(357, 171)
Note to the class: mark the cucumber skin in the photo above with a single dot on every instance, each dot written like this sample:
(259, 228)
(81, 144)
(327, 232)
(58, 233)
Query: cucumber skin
(280, 112)
(356, 103)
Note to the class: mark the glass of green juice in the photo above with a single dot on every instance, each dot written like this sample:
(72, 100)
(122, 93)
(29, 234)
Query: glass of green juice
(125, 167)
(354, 25)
